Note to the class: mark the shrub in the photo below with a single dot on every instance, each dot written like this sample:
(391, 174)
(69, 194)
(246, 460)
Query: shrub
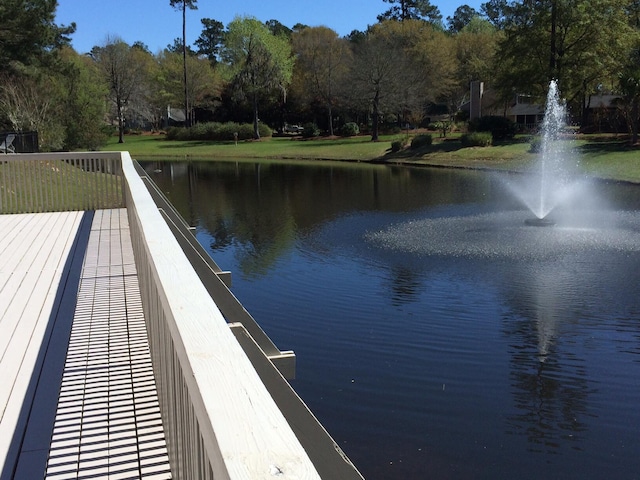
(398, 145)
(310, 130)
(535, 145)
(350, 129)
(201, 131)
(501, 128)
(443, 127)
(176, 133)
(477, 139)
(215, 131)
(421, 141)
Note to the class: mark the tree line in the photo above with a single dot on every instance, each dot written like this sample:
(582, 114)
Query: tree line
(407, 67)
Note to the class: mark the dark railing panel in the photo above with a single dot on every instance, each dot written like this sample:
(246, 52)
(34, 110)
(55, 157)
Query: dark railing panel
(18, 142)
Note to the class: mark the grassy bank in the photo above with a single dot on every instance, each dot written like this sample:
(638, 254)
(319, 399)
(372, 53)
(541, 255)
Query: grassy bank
(156, 147)
(609, 158)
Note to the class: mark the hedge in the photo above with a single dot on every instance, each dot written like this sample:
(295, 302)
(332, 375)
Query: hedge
(216, 131)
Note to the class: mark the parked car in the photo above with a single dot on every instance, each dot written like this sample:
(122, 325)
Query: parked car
(293, 129)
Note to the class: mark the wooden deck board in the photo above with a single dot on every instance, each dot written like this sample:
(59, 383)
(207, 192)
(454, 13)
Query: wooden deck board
(108, 422)
(99, 416)
(35, 254)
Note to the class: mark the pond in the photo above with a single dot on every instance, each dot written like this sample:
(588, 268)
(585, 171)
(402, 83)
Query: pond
(436, 335)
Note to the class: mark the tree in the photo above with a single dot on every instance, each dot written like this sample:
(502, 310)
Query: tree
(378, 74)
(124, 74)
(182, 5)
(475, 50)
(259, 62)
(278, 29)
(495, 11)
(322, 64)
(461, 18)
(579, 43)
(629, 84)
(411, 10)
(178, 47)
(28, 34)
(210, 40)
(431, 78)
(203, 84)
(28, 103)
(82, 108)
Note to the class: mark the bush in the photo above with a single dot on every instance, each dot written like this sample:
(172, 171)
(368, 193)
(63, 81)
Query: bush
(310, 130)
(535, 145)
(350, 129)
(215, 131)
(398, 145)
(443, 127)
(177, 133)
(421, 141)
(501, 128)
(477, 139)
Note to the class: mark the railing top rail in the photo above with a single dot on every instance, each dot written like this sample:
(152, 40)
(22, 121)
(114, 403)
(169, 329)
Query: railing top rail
(59, 156)
(239, 420)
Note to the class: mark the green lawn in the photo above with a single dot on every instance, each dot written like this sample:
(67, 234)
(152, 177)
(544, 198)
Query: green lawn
(156, 147)
(609, 158)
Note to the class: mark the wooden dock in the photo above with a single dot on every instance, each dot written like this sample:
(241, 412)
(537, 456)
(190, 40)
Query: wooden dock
(72, 328)
(123, 353)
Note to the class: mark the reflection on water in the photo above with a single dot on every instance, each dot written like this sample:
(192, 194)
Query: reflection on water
(437, 336)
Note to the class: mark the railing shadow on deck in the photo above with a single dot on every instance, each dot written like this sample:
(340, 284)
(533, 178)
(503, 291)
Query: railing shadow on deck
(228, 411)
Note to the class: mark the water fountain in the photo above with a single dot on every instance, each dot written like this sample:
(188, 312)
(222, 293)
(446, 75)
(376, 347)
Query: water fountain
(552, 191)
(551, 181)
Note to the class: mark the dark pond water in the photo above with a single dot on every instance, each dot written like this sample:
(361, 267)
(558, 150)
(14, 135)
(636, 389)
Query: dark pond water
(437, 336)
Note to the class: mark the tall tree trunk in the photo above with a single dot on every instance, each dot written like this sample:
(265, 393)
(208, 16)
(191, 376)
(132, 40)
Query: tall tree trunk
(634, 120)
(330, 119)
(553, 47)
(120, 121)
(256, 130)
(187, 116)
(375, 117)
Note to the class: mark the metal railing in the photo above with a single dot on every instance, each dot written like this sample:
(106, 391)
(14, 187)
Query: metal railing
(18, 142)
(35, 183)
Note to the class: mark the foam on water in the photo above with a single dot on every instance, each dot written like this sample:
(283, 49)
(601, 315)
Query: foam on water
(504, 235)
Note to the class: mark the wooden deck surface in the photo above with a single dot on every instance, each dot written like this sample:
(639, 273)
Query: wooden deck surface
(33, 253)
(77, 393)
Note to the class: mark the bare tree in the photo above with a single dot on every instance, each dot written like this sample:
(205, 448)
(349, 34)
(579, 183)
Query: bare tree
(28, 106)
(322, 64)
(124, 73)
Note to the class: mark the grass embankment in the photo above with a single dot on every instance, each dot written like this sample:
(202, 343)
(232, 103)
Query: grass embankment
(604, 157)
(156, 147)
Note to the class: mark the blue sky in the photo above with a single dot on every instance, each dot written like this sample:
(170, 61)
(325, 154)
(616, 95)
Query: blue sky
(157, 24)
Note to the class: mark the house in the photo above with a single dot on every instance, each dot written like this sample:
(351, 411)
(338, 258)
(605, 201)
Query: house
(525, 111)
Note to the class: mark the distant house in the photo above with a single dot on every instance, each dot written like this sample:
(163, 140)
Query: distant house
(175, 117)
(525, 111)
(602, 113)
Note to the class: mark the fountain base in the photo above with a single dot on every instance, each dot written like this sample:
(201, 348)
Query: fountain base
(539, 222)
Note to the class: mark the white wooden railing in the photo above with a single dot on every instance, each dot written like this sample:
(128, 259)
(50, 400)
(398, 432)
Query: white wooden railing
(219, 418)
(46, 182)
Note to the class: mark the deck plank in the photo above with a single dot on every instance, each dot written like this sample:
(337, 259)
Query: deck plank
(106, 422)
(36, 256)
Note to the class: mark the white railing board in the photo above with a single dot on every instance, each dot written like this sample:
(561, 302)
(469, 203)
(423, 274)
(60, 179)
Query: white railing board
(32, 183)
(208, 378)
